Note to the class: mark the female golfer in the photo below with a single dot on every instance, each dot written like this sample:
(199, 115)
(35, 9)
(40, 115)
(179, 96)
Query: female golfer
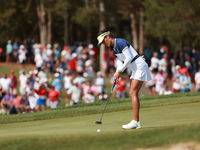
(126, 56)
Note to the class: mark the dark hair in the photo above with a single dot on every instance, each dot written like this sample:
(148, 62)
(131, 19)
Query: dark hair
(103, 31)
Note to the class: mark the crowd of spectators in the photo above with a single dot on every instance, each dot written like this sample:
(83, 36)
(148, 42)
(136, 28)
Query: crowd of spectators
(72, 72)
(169, 74)
(71, 69)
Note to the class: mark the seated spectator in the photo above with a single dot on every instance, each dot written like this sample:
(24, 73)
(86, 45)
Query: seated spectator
(90, 91)
(185, 82)
(33, 97)
(54, 97)
(75, 94)
(26, 101)
(2, 93)
(165, 91)
(197, 80)
(6, 103)
(5, 82)
(121, 88)
(18, 106)
(176, 86)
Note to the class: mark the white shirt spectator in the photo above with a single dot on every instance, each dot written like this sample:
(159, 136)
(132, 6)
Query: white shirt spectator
(6, 83)
(22, 79)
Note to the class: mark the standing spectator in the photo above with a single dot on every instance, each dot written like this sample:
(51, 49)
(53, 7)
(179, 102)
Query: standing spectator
(197, 80)
(57, 82)
(1, 51)
(41, 102)
(163, 63)
(14, 81)
(90, 91)
(9, 50)
(155, 62)
(22, 81)
(151, 84)
(75, 94)
(38, 59)
(67, 82)
(121, 88)
(54, 97)
(100, 84)
(15, 49)
(5, 82)
(176, 86)
(6, 102)
(22, 55)
(148, 54)
(159, 80)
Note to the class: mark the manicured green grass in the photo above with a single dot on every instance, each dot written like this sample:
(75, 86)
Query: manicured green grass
(165, 120)
(162, 125)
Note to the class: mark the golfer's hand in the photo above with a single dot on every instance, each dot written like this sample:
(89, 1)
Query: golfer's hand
(116, 77)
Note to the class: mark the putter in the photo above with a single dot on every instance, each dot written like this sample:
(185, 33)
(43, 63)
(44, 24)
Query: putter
(100, 122)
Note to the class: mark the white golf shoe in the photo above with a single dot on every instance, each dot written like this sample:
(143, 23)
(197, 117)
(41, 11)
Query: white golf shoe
(132, 125)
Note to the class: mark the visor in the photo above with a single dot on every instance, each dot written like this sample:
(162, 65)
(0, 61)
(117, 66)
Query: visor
(101, 37)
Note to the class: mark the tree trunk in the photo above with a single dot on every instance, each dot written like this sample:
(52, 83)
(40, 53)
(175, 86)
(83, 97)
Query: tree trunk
(141, 31)
(89, 32)
(133, 28)
(49, 26)
(102, 26)
(41, 21)
(66, 27)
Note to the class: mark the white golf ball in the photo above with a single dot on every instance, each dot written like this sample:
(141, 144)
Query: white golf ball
(98, 130)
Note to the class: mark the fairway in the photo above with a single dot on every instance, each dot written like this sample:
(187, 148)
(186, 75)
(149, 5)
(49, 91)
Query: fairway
(152, 119)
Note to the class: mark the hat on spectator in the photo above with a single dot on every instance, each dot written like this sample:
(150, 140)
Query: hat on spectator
(74, 55)
(56, 75)
(37, 79)
(30, 72)
(35, 71)
(90, 46)
(91, 52)
(23, 70)
(88, 63)
(66, 71)
(177, 67)
(21, 46)
(45, 80)
(99, 73)
(12, 71)
(48, 46)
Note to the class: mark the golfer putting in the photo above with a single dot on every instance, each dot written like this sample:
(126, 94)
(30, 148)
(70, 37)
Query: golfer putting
(126, 56)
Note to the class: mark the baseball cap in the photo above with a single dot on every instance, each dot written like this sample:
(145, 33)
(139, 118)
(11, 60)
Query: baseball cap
(12, 71)
(101, 37)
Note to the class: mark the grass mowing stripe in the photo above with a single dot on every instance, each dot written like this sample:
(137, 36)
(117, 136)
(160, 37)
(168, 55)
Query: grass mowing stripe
(97, 107)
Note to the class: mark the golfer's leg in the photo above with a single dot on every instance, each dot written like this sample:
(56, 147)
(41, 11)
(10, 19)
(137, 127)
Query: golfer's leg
(134, 90)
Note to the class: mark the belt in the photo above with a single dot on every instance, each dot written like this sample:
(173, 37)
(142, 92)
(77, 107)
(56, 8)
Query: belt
(135, 58)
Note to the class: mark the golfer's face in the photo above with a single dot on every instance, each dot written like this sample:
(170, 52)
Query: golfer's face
(107, 41)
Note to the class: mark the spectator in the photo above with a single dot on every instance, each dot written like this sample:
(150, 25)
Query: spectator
(151, 84)
(185, 82)
(148, 54)
(100, 84)
(165, 90)
(5, 82)
(6, 102)
(9, 50)
(41, 102)
(54, 97)
(197, 80)
(159, 80)
(38, 59)
(14, 81)
(33, 97)
(57, 82)
(26, 101)
(22, 81)
(75, 94)
(15, 49)
(121, 88)
(176, 86)
(67, 82)
(90, 91)
(155, 62)
(22, 55)
(18, 106)
(163, 63)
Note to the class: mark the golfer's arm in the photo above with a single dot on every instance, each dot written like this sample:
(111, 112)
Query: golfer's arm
(128, 58)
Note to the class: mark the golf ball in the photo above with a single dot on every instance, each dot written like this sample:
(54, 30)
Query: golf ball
(98, 130)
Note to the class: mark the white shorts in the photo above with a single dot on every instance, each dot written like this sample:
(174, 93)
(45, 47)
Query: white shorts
(140, 70)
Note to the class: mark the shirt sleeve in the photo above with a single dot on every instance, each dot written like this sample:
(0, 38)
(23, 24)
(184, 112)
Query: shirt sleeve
(128, 58)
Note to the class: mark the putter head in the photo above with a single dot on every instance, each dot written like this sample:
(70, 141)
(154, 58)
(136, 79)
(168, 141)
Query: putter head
(98, 122)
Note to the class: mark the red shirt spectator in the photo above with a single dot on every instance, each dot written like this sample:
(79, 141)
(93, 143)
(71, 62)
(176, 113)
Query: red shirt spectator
(13, 79)
(54, 95)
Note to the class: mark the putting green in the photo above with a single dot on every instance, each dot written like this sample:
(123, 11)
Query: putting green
(151, 118)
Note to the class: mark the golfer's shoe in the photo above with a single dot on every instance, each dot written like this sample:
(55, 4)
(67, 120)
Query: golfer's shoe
(132, 125)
